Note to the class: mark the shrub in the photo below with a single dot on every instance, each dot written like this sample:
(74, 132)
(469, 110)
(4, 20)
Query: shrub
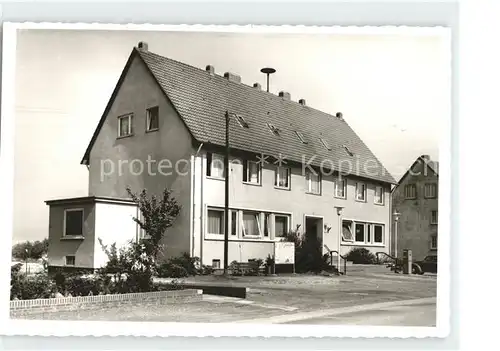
(38, 286)
(178, 267)
(360, 255)
(255, 264)
(308, 253)
(82, 286)
(205, 270)
(172, 270)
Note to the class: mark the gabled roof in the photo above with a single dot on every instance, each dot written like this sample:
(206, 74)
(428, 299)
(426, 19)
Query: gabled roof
(432, 165)
(202, 99)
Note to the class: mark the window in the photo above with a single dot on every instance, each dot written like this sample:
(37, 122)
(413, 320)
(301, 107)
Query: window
(360, 191)
(434, 242)
(73, 222)
(313, 182)
(215, 219)
(275, 130)
(70, 260)
(430, 191)
(234, 222)
(349, 152)
(379, 195)
(410, 191)
(216, 264)
(340, 188)
(434, 217)
(347, 231)
(251, 223)
(152, 118)
(282, 177)
(325, 144)
(241, 121)
(251, 172)
(215, 166)
(301, 137)
(280, 225)
(378, 237)
(125, 126)
(359, 235)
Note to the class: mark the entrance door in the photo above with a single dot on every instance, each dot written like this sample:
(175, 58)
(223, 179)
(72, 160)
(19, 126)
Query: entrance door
(314, 229)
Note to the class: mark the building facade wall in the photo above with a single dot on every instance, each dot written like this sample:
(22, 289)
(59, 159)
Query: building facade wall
(146, 160)
(296, 202)
(80, 247)
(415, 228)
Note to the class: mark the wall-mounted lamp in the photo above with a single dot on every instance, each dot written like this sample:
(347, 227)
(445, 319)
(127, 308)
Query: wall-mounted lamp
(396, 215)
(339, 210)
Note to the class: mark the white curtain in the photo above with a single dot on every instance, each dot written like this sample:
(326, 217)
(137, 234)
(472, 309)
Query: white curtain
(215, 222)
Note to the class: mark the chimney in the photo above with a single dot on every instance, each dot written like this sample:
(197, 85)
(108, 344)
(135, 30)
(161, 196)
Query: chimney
(302, 102)
(232, 77)
(426, 158)
(210, 69)
(339, 115)
(143, 46)
(257, 86)
(284, 95)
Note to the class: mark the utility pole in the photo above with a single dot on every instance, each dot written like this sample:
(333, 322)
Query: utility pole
(226, 207)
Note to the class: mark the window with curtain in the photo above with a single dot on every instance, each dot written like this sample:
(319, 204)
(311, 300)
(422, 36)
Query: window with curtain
(313, 182)
(379, 195)
(430, 191)
(347, 231)
(378, 234)
(215, 165)
(280, 226)
(340, 188)
(360, 191)
(251, 225)
(251, 172)
(215, 219)
(282, 178)
(360, 232)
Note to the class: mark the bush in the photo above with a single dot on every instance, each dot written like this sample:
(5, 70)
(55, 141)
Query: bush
(178, 267)
(255, 264)
(360, 255)
(38, 286)
(172, 270)
(308, 253)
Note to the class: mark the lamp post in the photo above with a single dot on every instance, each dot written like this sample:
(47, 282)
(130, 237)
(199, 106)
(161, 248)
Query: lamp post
(226, 206)
(396, 220)
(339, 237)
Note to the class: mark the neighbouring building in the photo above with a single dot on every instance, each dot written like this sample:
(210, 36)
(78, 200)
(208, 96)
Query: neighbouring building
(291, 166)
(415, 203)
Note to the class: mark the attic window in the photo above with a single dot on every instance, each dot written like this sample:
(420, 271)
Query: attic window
(241, 121)
(301, 137)
(273, 129)
(325, 144)
(347, 150)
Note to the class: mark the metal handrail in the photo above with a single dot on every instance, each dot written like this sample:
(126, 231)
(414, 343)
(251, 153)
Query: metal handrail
(343, 257)
(397, 261)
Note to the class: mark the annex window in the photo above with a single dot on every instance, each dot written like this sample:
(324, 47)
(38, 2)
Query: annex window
(152, 118)
(234, 222)
(215, 166)
(125, 125)
(275, 130)
(340, 188)
(215, 219)
(216, 264)
(282, 178)
(70, 260)
(434, 242)
(313, 182)
(267, 223)
(379, 195)
(347, 231)
(325, 144)
(73, 222)
(410, 191)
(301, 137)
(430, 190)
(280, 225)
(360, 191)
(378, 234)
(251, 172)
(349, 152)
(251, 223)
(434, 217)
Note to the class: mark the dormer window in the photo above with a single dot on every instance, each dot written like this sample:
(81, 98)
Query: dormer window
(275, 130)
(325, 144)
(241, 121)
(349, 152)
(301, 137)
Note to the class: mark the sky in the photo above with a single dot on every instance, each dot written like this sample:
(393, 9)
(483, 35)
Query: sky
(393, 90)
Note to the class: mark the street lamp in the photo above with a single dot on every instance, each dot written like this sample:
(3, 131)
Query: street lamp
(396, 220)
(339, 237)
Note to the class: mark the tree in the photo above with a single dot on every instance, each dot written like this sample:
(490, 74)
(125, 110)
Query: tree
(30, 250)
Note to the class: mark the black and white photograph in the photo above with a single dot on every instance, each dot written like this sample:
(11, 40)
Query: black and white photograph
(239, 178)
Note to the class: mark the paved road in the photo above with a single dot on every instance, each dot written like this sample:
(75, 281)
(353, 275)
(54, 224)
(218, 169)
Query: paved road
(421, 315)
